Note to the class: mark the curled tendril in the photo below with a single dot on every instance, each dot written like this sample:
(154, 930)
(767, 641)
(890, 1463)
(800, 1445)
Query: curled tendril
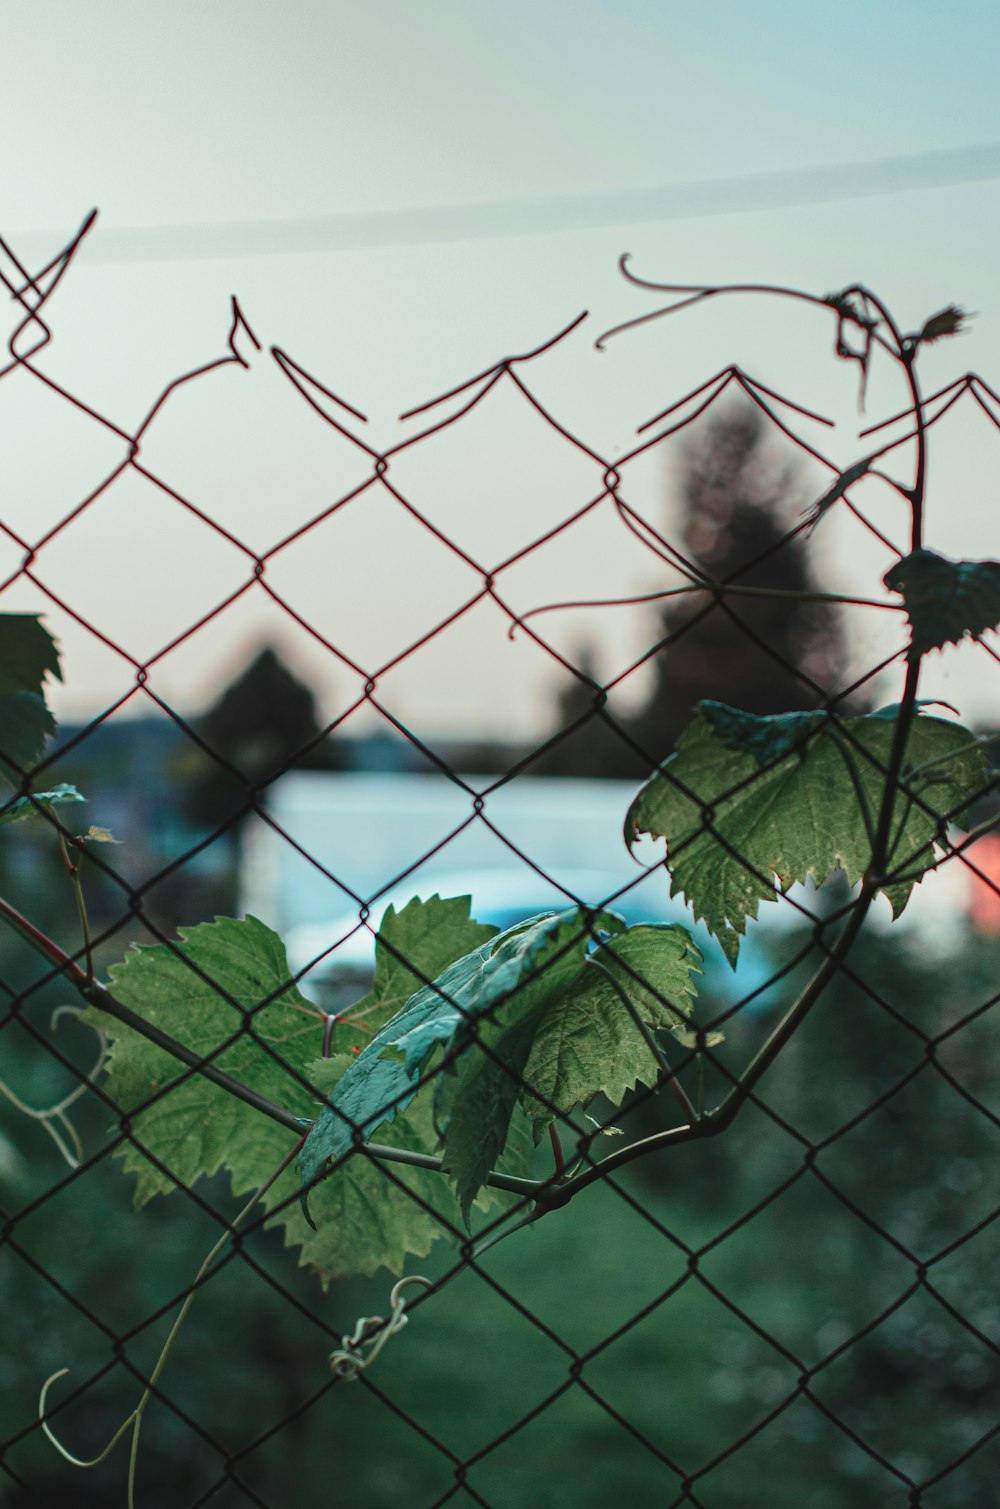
(60, 1448)
(372, 1331)
(53, 1118)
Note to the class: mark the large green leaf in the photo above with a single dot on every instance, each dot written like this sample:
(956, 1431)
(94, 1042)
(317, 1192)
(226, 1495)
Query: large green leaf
(27, 655)
(513, 972)
(480, 1114)
(25, 725)
(206, 994)
(745, 800)
(368, 1214)
(946, 600)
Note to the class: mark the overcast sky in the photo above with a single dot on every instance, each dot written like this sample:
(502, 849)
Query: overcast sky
(400, 195)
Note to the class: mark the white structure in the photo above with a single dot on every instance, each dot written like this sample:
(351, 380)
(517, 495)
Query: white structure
(333, 838)
(334, 843)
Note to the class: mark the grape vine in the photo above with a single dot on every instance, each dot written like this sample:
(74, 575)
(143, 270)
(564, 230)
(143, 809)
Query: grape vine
(474, 1047)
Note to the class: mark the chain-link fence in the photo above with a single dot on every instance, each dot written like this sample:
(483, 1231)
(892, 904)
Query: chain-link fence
(753, 1268)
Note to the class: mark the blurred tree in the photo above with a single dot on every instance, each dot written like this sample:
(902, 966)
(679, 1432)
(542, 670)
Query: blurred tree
(738, 497)
(594, 744)
(263, 723)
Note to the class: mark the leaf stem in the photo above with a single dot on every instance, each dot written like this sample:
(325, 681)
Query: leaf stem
(557, 1150)
(73, 870)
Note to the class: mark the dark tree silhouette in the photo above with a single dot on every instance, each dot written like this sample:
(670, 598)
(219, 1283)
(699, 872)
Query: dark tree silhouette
(264, 722)
(598, 742)
(764, 655)
(739, 496)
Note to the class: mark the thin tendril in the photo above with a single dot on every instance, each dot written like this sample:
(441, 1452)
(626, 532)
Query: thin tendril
(134, 1420)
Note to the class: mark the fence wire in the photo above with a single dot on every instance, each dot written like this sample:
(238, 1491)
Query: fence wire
(801, 1308)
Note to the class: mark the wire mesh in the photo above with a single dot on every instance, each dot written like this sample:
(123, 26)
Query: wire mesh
(794, 1310)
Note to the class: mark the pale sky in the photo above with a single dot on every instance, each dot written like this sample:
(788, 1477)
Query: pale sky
(281, 153)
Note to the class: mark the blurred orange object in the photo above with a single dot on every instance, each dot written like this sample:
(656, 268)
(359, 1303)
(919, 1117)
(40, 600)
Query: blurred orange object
(984, 884)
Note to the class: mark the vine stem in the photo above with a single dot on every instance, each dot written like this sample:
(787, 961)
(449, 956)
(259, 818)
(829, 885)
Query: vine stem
(719, 590)
(719, 1119)
(134, 1420)
(558, 1157)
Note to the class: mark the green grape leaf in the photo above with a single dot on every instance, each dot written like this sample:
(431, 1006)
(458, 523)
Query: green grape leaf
(513, 971)
(945, 600)
(27, 655)
(586, 1042)
(745, 801)
(413, 946)
(368, 1214)
(29, 806)
(569, 1045)
(199, 1128)
(480, 1114)
(766, 738)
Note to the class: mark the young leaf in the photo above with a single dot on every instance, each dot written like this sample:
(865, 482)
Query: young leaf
(523, 965)
(27, 655)
(745, 799)
(948, 321)
(29, 806)
(688, 1039)
(945, 600)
